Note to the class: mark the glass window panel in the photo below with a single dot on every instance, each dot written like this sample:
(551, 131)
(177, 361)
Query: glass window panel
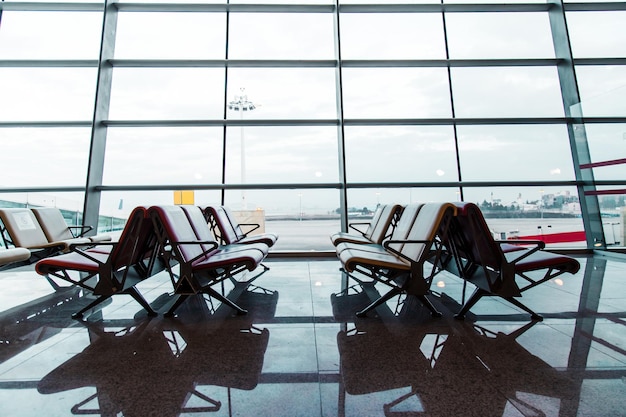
(607, 142)
(286, 93)
(532, 212)
(507, 92)
(282, 154)
(386, 1)
(303, 218)
(597, 34)
(48, 94)
(177, 1)
(50, 35)
(613, 209)
(400, 154)
(282, 2)
(177, 155)
(69, 202)
(57, 1)
(372, 197)
(116, 206)
(281, 36)
(602, 90)
(499, 35)
(55, 156)
(515, 153)
(188, 35)
(119, 204)
(592, 1)
(392, 36)
(492, 1)
(167, 93)
(396, 93)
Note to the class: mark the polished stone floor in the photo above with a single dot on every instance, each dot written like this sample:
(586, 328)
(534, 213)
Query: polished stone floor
(301, 351)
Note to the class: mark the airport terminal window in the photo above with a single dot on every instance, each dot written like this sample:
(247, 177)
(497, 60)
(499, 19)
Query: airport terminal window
(392, 36)
(499, 35)
(505, 149)
(66, 159)
(50, 35)
(196, 158)
(597, 34)
(396, 93)
(400, 153)
(607, 142)
(368, 111)
(281, 36)
(167, 93)
(30, 94)
(284, 93)
(170, 35)
(506, 92)
(602, 90)
(303, 154)
(372, 197)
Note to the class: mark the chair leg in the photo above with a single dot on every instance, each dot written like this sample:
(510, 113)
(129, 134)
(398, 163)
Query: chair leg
(79, 314)
(139, 298)
(220, 297)
(379, 301)
(177, 303)
(517, 303)
(433, 311)
(477, 295)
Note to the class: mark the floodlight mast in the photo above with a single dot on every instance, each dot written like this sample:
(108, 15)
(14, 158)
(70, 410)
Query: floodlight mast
(242, 104)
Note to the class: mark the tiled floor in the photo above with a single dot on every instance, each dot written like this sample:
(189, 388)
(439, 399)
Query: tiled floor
(302, 352)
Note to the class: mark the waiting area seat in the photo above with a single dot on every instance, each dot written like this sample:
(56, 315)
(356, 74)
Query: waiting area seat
(56, 229)
(228, 230)
(187, 240)
(400, 263)
(504, 269)
(132, 259)
(43, 231)
(375, 231)
(13, 255)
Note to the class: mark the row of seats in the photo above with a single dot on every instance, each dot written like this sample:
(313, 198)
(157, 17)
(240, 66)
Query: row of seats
(175, 239)
(42, 231)
(405, 247)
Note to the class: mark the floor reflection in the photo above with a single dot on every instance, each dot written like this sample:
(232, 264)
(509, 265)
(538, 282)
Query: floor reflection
(301, 351)
(154, 367)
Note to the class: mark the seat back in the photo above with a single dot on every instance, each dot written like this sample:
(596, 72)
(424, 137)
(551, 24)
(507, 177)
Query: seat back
(473, 239)
(432, 221)
(200, 226)
(383, 218)
(21, 228)
(172, 226)
(404, 224)
(234, 223)
(222, 225)
(53, 223)
(136, 243)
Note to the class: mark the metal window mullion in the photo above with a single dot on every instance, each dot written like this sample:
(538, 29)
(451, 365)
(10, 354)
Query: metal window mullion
(97, 148)
(589, 205)
(341, 143)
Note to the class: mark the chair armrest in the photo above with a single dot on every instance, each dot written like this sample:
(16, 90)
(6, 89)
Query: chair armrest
(353, 226)
(213, 244)
(255, 226)
(539, 245)
(76, 248)
(80, 229)
(399, 254)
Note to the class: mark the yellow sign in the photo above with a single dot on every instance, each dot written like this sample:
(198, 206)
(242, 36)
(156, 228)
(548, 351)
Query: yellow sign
(183, 197)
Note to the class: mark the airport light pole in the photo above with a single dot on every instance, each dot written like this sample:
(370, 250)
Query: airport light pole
(242, 104)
